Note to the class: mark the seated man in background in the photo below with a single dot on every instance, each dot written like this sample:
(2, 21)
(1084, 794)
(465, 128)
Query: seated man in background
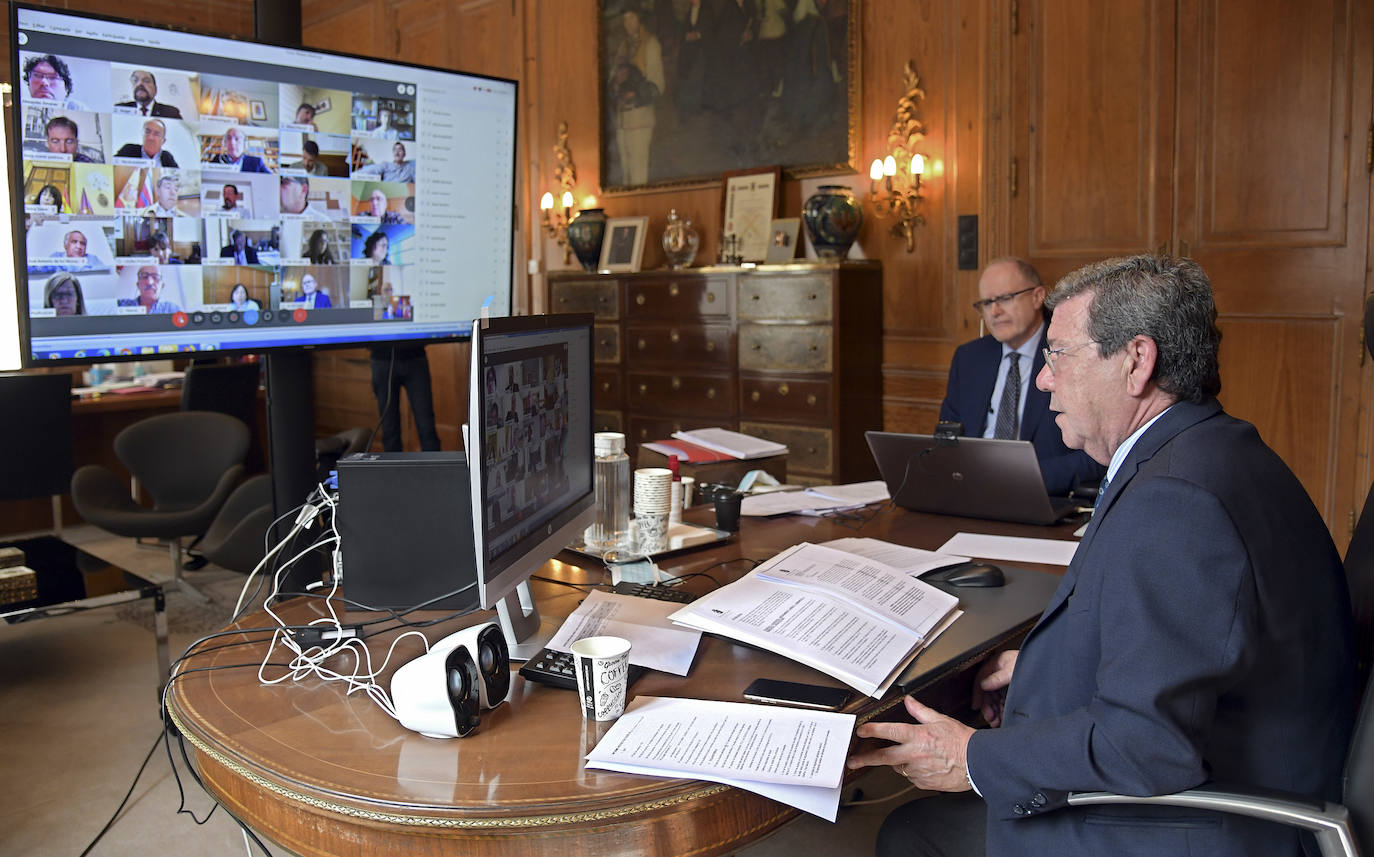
(1203, 630)
(992, 394)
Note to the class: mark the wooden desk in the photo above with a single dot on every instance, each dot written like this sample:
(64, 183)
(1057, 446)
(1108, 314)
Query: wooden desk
(327, 774)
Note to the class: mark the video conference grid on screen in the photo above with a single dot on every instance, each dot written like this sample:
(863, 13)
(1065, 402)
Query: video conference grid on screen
(176, 200)
(535, 448)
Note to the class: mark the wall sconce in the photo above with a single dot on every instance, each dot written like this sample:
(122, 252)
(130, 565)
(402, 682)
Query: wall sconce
(556, 225)
(895, 180)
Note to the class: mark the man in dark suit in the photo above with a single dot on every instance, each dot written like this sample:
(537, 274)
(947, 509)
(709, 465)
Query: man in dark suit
(154, 135)
(992, 395)
(232, 153)
(239, 249)
(145, 97)
(1202, 631)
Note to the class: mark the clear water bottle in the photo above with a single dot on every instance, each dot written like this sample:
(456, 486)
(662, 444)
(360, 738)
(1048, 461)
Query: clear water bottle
(611, 478)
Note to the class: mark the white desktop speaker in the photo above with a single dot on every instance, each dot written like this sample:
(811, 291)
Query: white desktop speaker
(442, 693)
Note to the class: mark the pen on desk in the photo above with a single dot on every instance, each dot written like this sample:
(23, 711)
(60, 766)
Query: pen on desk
(675, 499)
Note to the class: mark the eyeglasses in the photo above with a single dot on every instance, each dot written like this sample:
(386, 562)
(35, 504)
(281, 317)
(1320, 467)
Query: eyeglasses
(983, 304)
(1053, 354)
(45, 77)
(151, 276)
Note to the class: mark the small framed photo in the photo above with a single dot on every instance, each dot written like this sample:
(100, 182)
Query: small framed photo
(749, 201)
(259, 109)
(624, 244)
(782, 247)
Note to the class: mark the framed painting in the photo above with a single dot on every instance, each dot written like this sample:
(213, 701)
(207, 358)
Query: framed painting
(688, 92)
(624, 244)
(782, 247)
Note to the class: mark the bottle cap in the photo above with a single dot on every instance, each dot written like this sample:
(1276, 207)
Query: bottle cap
(608, 442)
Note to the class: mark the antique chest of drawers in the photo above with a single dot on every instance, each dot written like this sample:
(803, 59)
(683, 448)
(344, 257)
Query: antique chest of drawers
(792, 353)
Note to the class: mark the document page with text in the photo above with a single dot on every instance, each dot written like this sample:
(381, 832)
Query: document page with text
(789, 754)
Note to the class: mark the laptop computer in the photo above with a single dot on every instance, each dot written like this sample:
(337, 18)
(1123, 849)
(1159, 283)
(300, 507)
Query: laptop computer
(970, 476)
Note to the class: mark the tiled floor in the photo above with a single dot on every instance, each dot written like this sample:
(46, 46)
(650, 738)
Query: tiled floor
(79, 713)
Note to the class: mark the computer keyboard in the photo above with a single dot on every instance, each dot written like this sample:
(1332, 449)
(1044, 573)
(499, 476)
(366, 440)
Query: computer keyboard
(649, 590)
(556, 668)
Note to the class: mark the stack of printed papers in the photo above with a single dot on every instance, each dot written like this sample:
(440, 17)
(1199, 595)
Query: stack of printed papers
(849, 616)
(793, 756)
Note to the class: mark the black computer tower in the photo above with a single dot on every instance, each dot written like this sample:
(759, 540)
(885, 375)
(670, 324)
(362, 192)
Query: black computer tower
(405, 530)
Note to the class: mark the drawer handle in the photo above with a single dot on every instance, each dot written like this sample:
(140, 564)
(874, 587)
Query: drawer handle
(710, 345)
(710, 297)
(639, 299)
(606, 385)
(812, 298)
(562, 299)
(812, 450)
(754, 396)
(710, 392)
(604, 343)
(642, 345)
(673, 290)
(601, 299)
(753, 297)
(811, 399)
(643, 433)
(643, 388)
(815, 348)
(676, 384)
(782, 389)
(675, 337)
(758, 346)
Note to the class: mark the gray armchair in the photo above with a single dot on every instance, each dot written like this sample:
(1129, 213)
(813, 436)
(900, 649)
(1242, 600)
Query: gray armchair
(188, 462)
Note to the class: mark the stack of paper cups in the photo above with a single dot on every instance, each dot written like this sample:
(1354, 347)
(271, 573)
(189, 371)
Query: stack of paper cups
(653, 500)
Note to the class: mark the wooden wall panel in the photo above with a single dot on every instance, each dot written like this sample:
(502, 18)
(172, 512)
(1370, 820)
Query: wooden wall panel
(1272, 135)
(1099, 125)
(1280, 371)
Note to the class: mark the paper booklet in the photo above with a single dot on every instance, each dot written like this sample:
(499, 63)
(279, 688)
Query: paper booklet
(851, 617)
(732, 443)
(791, 755)
(690, 453)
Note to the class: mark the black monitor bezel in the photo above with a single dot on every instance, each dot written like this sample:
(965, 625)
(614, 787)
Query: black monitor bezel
(15, 166)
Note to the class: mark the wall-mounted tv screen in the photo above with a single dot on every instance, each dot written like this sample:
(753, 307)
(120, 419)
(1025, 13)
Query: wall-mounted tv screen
(188, 193)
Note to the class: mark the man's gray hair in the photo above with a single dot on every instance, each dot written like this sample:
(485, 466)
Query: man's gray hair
(1170, 301)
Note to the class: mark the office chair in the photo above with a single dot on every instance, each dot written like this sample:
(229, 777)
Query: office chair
(37, 434)
(188, 462)
(226, 388)
(235, 539)
(328, 450)
(1341, 829)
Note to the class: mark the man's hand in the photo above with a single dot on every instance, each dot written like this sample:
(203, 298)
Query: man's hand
(990, 686)
(929, 753)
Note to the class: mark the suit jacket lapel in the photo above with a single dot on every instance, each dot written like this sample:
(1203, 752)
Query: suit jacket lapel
(986, 367)
(1181, 416)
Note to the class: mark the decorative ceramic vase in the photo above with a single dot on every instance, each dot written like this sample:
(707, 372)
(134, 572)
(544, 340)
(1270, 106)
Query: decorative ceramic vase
(832, 216)
(680, 241)
(585, 234)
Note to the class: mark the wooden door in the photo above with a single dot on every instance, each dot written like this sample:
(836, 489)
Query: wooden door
(1272, 199)
(1092, 125)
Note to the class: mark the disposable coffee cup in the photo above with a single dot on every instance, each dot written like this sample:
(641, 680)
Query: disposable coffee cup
(652, 532)
(603, 667)
(688, 492)
(727, 511)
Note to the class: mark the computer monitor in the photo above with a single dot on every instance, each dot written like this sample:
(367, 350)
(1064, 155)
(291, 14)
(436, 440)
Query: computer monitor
(179, 193)
(530, 457)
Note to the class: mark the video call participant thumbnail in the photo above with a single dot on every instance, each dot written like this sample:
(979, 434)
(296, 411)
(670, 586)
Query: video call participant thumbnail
(154, 137)
(61, 136)
(231, 154)
(144, 86)
(48, 78)
(148, 281)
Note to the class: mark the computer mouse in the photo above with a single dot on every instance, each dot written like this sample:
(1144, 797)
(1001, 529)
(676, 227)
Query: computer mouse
(975, 574)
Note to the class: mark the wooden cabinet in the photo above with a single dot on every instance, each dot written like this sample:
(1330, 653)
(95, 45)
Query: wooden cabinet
(786, 352)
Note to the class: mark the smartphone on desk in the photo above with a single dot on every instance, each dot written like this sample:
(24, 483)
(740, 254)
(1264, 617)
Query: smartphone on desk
(774, 692)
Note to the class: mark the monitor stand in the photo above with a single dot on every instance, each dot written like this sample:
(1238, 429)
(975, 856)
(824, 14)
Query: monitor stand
(526, 634)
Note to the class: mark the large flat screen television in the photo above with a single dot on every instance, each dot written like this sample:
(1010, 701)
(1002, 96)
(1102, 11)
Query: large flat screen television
(188, 193)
